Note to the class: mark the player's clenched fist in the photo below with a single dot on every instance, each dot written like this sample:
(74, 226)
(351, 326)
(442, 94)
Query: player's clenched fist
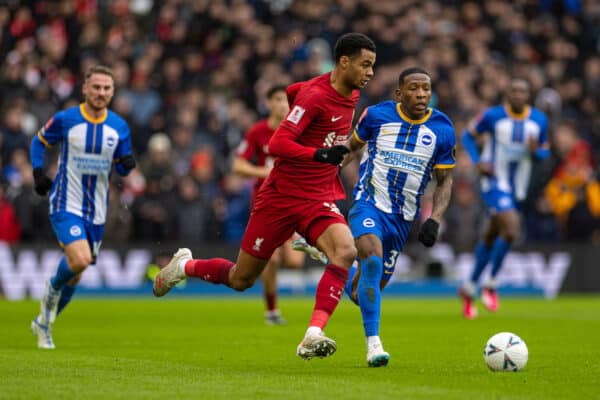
(331, 155)
(42, 183)
(429, 232)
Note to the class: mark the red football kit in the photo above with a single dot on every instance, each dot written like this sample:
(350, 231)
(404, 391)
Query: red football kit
(300, 193)
(254, 147)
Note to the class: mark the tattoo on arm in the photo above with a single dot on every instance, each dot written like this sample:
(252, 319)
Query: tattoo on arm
(442, 193)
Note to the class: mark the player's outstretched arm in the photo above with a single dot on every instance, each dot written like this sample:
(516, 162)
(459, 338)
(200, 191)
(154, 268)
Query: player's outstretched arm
(42, 183)
(283, 144)
(243, 167)
(470, 145)
(441, 199)
(442, 193)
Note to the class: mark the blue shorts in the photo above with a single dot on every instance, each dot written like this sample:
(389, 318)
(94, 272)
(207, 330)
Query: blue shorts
(391, 229)
(498, 201)
(70, 227)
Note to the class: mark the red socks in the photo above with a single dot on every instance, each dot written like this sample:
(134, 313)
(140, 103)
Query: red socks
(271, 300)
(214, 270)
(329, 293)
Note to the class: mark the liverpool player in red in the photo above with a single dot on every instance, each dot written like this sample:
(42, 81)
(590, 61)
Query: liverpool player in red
(300, 192)
(253, 160)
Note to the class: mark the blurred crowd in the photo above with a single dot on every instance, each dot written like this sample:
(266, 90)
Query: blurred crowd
(191, 78)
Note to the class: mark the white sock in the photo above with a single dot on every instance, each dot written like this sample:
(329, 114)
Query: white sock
(313, 330)
(373, 341)
(181, 266)
(490, 283)
(469, 288)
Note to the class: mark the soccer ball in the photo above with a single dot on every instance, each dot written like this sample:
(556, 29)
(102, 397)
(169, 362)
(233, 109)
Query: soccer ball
(505, 351)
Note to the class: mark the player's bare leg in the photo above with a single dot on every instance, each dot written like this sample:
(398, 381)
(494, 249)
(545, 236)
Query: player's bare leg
(291, 257)
(337, 243)
(77, 258)
(299, 244)
(269, 281)
(239, 276)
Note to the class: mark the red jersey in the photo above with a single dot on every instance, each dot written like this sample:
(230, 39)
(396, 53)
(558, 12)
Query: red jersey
(255, 147)
(319, 117)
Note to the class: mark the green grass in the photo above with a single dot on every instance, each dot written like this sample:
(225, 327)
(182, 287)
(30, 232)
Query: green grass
(220, 349)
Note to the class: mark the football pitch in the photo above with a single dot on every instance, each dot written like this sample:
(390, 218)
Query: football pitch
(219, 348)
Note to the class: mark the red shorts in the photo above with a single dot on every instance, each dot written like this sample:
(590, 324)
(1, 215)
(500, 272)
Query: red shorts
(275, 217)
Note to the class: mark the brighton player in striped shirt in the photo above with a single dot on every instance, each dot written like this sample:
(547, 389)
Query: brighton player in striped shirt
(92, 139)
(406, 143)
(517, 137)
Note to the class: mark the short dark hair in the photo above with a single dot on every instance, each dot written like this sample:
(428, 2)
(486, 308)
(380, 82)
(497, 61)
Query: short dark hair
(100, 69)
(410, 71)
(351, 44)
(274, 89)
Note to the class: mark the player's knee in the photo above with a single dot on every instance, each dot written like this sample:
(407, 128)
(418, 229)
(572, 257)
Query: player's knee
(241, 283)
(368, 252)
(79, 262)
(345, 254)
(510, 236)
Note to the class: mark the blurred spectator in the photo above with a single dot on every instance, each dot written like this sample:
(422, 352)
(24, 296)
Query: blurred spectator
(13, 137)
(572, 190)
(199, 67)
(153, 213)
(233, 207)
(195, 219)
(158, 162)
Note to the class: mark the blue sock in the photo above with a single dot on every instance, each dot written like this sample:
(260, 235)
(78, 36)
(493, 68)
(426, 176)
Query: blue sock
(63, 274)
(499, 251)
(369, 294)
(482, 257)
(348, 287)
(65, 297)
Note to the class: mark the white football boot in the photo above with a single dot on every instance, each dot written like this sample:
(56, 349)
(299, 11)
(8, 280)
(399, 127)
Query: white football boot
(316, 345)
(49, 304)
(312, 251)
(171, 274)
(376, 356)
(43, 334)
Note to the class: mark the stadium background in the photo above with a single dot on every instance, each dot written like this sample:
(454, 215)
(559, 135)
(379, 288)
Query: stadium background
(191, 77)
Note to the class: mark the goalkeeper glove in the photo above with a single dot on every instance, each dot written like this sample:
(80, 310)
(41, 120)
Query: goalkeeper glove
(429, 232)
(42, 184)
(128, 162)
(332, 155)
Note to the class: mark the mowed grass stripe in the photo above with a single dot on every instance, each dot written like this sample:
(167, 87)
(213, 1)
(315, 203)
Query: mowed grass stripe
(221, 349)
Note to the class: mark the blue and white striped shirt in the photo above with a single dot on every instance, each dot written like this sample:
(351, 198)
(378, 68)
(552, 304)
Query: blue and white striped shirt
(508, 150)
(88, 147)
(400, 156)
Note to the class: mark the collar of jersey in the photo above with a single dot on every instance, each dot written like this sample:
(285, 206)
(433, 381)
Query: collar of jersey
(522, 115)
(89, 118)
(413, 121)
